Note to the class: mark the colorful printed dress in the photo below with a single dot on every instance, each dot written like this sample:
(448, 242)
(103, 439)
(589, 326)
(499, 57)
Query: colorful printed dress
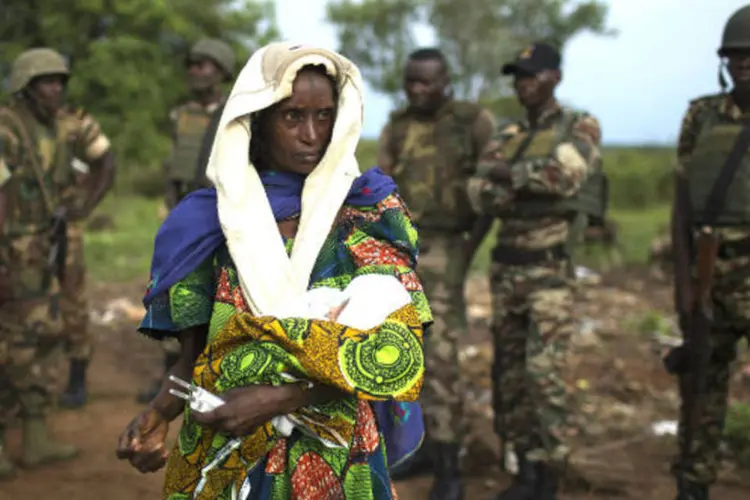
(385, 363)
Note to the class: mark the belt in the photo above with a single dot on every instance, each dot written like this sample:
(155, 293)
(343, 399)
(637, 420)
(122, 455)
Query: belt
(514, 256)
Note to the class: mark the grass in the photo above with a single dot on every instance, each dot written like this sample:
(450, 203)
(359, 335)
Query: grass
(639, 187)
(123, 252)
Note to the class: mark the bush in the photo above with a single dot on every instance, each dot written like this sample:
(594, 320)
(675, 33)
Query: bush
(737, 433)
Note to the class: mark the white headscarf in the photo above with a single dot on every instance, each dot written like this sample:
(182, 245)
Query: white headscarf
(268, 276)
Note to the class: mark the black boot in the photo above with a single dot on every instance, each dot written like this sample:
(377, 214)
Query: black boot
(148, 394)
(76, 395)
(688, 490)
(534, 481)
(524, 483)
(550, 482)
(420, 464)
(448, 484)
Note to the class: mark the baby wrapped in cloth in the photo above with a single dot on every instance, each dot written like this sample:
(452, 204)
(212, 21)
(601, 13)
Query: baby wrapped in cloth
(286, 347)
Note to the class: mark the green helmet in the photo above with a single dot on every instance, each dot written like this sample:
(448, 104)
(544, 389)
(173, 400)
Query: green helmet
(736, 32)
(33, 63)
(217, 51)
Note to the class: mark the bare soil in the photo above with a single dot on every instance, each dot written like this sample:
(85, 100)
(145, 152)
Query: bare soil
(624, 371)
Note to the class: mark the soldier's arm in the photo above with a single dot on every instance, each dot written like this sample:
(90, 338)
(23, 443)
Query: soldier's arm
(679, 223)
(564, 171)
(9, 150)
(94, 147)
(486, 192)
(207, 145)
(483, 130)
(170, 190)
(385, 158)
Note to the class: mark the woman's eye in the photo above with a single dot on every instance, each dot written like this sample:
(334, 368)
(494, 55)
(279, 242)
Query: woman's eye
(292, 115)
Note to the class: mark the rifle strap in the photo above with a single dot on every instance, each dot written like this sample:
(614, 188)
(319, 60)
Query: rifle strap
(28, 144)
(718, 195)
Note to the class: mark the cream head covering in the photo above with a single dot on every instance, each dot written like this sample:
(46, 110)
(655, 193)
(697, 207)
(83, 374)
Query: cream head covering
(267, 275)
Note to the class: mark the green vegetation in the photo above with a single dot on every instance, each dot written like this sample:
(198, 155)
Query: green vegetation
(737, 433)
(638, 188)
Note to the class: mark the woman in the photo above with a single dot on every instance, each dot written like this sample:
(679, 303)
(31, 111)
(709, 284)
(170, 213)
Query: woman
(228, 260)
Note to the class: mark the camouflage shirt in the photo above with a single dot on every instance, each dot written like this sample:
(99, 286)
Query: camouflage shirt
(561, 175)
(75, 133)
(482, 131)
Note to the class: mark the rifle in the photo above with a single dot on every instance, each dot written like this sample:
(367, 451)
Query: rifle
(693, 296)
(55, 264)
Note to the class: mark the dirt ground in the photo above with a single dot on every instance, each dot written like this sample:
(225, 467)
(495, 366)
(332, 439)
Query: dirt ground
(124, 363)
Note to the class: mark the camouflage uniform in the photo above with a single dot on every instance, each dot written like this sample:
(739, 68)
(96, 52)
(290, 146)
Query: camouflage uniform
(530, 274)
(91, 145)
(431, 162)
(35, 169)
(731, 291)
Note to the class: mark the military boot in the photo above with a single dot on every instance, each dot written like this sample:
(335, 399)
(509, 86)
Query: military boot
(76, 395)
(448, 484)
(39, 448)
(688, 490)
(148, 394)
(6, 466)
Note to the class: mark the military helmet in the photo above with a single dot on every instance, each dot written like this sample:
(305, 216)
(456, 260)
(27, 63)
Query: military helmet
(216, 50)
(36, 62)
(736, 34)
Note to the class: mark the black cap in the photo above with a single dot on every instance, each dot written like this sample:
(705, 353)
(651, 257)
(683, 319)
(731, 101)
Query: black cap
(534, 59)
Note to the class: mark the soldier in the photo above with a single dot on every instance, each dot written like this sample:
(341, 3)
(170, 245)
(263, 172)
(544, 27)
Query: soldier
(431, 148)
(39, 139)
(713, 139)
(542, 177)
(209, 64)
(74, 304)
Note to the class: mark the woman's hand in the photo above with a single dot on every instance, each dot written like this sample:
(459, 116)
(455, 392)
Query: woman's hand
(142, 441)
(248, 408)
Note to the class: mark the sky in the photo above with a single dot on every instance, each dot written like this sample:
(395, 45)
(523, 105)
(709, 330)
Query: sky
(638, 83)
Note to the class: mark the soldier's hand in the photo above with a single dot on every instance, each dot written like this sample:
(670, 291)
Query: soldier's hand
(142, 441)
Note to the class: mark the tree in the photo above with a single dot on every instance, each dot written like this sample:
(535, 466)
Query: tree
(477, 36)
(127, 57)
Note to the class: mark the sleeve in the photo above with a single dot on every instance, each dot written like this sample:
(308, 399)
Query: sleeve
(488, 197)
(687, 137)
(90, 141)
(563, 172)
(385, 158)
(186, 304)
(483, 130)
(9, 151)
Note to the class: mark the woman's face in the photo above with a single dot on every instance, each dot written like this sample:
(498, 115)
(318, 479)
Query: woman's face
(298, 129)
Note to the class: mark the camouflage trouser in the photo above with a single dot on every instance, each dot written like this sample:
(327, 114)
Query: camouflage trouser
(441, 270)
(532, 326)
(75, 307)
(30, 334)
(731, 298)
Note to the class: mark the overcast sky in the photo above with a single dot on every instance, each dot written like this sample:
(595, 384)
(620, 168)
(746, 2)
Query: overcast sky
(637, 83)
